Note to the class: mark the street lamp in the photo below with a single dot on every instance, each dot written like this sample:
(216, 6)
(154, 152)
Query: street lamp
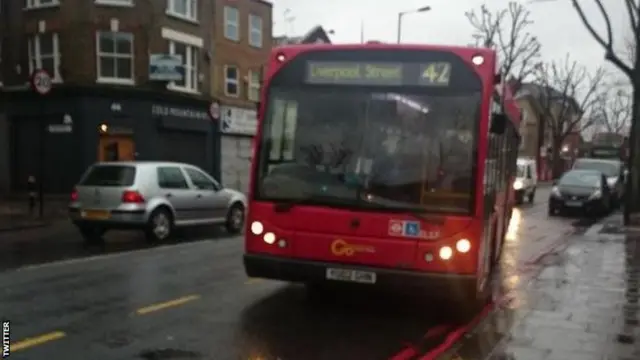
(403, 13)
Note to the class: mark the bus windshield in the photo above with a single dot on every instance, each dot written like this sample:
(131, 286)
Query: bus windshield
(413, 151)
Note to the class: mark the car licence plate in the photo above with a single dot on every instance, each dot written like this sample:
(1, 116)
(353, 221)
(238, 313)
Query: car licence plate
(574, 203)
(95, 214)
(364, 277)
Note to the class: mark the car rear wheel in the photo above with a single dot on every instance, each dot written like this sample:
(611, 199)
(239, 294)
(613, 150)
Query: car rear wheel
(160, 225)
(532, 196)
(235, 219)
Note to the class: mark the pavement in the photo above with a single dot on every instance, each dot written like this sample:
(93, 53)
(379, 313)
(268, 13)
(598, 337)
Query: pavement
(15, 214)
(563, 292)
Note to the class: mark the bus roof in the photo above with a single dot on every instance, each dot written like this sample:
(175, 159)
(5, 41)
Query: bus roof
(390, 46)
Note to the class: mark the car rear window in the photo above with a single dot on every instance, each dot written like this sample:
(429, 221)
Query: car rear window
(110, 175)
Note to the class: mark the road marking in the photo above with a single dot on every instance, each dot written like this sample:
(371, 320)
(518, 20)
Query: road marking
(253, 281)
(167, 304)
(37, 340)
(159, 249)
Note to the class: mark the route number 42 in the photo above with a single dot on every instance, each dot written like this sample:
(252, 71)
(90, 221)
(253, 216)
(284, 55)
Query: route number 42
(437, 73)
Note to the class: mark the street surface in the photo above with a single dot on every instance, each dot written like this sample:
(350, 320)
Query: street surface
(192, 300)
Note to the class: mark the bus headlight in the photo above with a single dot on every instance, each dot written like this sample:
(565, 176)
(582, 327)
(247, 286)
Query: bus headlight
(463, 245)
(517, 185)
(446, 253)
(257, 228)
(269, 238)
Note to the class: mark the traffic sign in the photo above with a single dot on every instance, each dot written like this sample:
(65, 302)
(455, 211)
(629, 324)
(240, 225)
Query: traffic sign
(41, 81)
(214, 110)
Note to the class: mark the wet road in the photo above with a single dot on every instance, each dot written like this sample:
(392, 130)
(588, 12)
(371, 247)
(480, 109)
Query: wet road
(193, 301)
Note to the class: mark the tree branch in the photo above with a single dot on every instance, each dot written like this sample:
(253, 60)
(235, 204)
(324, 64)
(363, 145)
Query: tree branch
(506, 30)
(613, 110)
(607, 44)
(567, 96)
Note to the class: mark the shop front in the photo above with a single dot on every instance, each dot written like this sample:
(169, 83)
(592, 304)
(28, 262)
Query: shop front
(238, 127)
(58, 136)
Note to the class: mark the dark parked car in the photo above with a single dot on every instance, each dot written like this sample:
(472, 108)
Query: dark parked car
(612, 169)
(581, 190)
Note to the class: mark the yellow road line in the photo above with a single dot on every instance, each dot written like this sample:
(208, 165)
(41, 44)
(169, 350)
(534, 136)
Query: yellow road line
(37, 340)
(252, 281)
(167, 304)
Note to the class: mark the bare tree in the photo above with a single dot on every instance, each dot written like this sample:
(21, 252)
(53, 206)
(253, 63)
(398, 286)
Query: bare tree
(632, 71)
(607, 41)
(612, 111)
(507, 31)
(567, 96)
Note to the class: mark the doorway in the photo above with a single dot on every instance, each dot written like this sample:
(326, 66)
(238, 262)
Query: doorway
(116, 148)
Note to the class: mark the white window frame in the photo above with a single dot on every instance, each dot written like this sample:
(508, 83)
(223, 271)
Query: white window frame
(255, 31)
(191, 84)
(115, 80)
(124, 3)
(235, 81)
(233, 23)
(192, 10)
(38, 4)
(253, 87)
(35, 60)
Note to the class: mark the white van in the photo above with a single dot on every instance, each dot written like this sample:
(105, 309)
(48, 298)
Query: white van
(526, 180)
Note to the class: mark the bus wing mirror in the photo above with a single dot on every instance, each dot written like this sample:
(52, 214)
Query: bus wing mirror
(257, 105)
(498, 123)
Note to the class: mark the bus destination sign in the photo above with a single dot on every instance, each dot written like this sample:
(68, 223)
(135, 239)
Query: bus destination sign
(378, 73)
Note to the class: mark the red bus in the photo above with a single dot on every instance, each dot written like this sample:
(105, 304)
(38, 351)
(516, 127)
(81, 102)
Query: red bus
(382, 164)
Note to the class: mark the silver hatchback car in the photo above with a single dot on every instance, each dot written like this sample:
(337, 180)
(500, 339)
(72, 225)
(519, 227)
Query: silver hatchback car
(155, 197)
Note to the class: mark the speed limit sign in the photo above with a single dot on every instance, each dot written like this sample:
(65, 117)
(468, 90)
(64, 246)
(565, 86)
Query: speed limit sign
(41, 81)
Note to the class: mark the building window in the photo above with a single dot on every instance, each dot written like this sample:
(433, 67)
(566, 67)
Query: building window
(255, 31)
(189, 56)
(253, 92)
(44, 53)
(115, 57)
(184, 9)
(30, 4)
(231, 23)
(115, 2)
(231, 81)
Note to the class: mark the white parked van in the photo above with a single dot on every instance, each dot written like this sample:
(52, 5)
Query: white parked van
(526, 180)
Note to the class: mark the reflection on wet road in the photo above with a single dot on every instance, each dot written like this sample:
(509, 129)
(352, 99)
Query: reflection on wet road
(193, 301)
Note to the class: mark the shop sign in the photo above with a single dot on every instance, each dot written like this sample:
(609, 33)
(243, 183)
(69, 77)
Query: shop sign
(238, 121)
(185, 113)
(165, 67)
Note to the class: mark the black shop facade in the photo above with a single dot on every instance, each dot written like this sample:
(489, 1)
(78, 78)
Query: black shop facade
(71, 128)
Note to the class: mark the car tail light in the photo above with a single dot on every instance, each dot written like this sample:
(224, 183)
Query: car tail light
(74, 195)
(132, 197)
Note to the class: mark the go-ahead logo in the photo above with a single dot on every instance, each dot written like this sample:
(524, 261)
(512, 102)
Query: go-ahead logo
(342, 248)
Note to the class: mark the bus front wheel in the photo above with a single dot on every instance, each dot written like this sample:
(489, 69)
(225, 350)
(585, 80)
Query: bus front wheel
(472, 302)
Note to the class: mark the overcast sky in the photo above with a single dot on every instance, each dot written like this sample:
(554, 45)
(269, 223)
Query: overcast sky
(556, 23)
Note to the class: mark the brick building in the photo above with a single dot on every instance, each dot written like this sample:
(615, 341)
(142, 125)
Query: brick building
(242, 41)
(536, 103)
(133, 79)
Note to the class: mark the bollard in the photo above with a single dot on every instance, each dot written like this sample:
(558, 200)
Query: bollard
(31, 189)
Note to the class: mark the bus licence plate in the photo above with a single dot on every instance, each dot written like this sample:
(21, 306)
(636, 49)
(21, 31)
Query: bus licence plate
(574, 203)
(364, 277)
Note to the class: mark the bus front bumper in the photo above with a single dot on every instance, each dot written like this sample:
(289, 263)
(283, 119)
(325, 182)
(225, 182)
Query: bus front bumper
(305, 271)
